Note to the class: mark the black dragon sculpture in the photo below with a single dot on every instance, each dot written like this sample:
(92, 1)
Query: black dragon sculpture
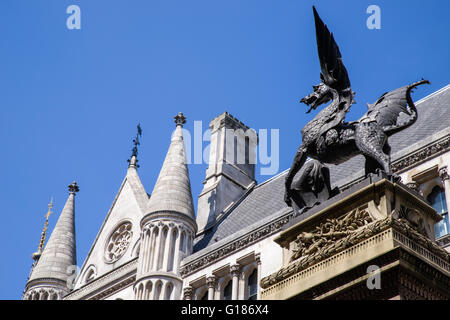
(328, 139)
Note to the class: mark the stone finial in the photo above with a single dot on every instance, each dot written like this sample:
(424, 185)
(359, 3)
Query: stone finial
(73, 188)
(180, 119)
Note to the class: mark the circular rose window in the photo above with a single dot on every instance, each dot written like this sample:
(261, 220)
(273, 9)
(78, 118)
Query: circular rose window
(118, 242)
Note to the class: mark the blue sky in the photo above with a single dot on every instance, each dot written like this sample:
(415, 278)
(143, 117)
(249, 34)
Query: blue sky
(70, 99)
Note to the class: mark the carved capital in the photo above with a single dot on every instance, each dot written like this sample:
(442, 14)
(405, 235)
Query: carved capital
(211, 281)
(258, 258)
(443, 173)
(235, 269)
(188, 293)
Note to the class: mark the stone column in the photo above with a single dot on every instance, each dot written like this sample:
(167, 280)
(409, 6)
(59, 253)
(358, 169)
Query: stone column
(188, 292)
(156, 252)
(176, 255)
(167, 249)
(258, 266)
(235, 269)
(211, 282)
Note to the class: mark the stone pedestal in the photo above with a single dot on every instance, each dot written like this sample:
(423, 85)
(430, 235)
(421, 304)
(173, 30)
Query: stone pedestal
(372, 241)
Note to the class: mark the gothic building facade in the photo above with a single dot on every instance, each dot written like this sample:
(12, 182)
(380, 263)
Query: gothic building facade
(156, 247)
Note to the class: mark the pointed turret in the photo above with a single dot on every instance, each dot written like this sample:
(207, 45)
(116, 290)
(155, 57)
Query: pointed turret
(168, 228)
(172, 192)
(49, 278)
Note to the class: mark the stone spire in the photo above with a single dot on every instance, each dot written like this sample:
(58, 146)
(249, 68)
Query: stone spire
(172, 191)
(52, 268)
(168, 228)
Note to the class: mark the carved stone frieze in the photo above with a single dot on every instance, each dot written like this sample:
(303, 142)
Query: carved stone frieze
(236, 245)
(414, 239)
(422, 154)
(328, 232)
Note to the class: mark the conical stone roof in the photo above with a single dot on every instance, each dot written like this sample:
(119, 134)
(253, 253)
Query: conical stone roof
(172, 191)
(60, 251)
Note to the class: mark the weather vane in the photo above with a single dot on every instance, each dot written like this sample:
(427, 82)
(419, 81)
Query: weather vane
(37, 254)
(136, 143)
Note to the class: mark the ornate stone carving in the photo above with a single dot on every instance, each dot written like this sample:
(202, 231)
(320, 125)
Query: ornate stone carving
(413, 186)
(422, 154)
(413, 239)
(118, 242)
(235, 269)
(236, 245)
(211, 281)
(329, 232)
(188, 292)
(443, 173)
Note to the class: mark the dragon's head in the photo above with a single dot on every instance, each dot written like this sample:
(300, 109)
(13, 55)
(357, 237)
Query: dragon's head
(322, 94)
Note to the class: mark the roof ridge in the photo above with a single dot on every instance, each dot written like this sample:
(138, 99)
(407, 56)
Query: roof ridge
(431, 95)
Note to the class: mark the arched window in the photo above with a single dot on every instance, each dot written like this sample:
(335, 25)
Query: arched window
(227, 291)
(252, 286)
(437, 200)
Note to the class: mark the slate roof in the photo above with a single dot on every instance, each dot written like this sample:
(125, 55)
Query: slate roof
(266, 199)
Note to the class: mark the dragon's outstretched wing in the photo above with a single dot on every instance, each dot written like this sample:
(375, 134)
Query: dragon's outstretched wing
(394, 110)
(333, 73)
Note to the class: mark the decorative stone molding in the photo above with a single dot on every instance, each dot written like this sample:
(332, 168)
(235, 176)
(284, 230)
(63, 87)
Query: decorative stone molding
(188, 293)
(258, 258)
(211, 281)
(329, 232)
(414, 289)
(403, 232)
(87, 291)
(413, 186)
(230, 248)
(436, 148)
(235, 269)
(113, 289)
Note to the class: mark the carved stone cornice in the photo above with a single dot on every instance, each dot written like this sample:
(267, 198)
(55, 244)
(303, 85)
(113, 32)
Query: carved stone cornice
(111, 290)
(104, 281)
(432, 150)
(238, 244)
